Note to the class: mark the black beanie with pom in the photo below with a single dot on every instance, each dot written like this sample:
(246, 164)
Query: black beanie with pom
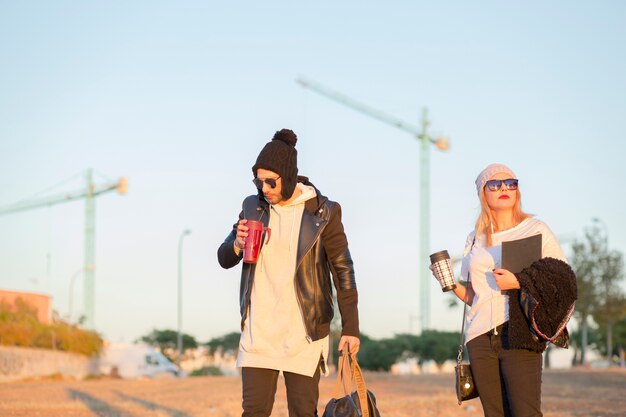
(280, 156)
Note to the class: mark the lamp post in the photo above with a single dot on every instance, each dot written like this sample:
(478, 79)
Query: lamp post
(179, 339)
(72, 280)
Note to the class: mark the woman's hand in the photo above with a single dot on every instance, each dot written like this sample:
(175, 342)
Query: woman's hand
(505, 279)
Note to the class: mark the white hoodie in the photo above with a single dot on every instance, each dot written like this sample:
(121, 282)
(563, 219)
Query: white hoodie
(274, 335)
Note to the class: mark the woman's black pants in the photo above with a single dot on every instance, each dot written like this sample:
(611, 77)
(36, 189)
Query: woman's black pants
(259, 390)
(508, 380)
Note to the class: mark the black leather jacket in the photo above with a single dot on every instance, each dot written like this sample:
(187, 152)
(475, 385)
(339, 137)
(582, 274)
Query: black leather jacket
(322, 249)
(540, 310)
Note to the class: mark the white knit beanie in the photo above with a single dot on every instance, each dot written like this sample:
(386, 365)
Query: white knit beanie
(489, 172)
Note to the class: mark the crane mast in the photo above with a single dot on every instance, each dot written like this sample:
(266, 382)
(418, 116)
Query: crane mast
(421, 134)
(89, 193)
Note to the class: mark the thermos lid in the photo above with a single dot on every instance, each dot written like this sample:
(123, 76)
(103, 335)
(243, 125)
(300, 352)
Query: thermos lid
(439, 256)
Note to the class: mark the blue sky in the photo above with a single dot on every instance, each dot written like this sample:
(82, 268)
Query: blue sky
(181, 96)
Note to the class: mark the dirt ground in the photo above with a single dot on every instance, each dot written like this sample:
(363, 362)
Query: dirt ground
(597, 393)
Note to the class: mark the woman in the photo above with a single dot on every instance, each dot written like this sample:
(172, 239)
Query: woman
(504, 351)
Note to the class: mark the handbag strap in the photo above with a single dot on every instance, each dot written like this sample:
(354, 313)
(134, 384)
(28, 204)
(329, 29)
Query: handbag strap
(344, 377)
(459, 357)
(349, 369)
(360, 388)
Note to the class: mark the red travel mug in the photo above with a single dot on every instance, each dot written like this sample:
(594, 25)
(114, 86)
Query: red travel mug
(252, 242)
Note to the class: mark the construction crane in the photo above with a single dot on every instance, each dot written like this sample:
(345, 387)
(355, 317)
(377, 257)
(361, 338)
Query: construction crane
(89, 193)
(421, 134)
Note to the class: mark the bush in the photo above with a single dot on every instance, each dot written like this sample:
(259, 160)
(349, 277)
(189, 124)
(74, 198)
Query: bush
(206, 371)
(19, 327)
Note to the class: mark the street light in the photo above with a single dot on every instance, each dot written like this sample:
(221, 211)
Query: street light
(72, 280)
(179, 339)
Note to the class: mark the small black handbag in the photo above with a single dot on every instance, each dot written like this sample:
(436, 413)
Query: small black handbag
(359, 403)
(465, 387)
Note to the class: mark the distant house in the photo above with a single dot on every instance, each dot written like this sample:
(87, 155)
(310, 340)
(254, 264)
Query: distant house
(41, 302)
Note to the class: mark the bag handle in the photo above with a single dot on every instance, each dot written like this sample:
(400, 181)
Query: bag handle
(360, 388)
(344, 377)
(349, 369)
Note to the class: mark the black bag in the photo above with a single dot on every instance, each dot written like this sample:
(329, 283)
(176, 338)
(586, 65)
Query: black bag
(360, 403)
(465, 387)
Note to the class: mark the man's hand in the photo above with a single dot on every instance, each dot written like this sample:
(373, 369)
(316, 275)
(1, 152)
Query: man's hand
(352, 342)
(505, 279)
(242, 232)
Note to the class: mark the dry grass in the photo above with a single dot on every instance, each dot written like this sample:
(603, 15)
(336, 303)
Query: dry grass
(566, 394)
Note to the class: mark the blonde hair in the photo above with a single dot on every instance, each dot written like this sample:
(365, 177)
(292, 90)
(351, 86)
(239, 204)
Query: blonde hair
(485, 219)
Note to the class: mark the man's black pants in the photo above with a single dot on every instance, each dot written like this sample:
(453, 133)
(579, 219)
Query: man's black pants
(259, 390)
(508, 381)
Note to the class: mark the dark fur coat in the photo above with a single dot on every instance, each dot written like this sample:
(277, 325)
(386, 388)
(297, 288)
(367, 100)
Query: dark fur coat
(540, 309)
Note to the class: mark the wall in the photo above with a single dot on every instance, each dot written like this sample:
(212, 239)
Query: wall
(20, 363)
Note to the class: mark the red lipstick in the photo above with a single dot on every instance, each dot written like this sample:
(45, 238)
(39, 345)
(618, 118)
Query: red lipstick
(503, 197)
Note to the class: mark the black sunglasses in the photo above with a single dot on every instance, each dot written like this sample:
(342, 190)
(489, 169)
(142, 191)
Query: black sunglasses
(269, 181)
(495, 185)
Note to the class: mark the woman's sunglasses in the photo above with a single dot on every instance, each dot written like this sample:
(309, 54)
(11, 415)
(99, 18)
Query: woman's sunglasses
(495, 185)
(258, 182)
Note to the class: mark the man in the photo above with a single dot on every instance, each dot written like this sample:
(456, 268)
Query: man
(286, 300)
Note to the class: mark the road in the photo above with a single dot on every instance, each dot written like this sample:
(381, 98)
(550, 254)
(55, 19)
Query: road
(565, 394)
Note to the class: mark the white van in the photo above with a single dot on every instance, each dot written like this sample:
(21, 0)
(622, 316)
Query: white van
(133, 361)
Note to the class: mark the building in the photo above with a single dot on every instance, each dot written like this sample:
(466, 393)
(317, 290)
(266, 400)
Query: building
(41, 302)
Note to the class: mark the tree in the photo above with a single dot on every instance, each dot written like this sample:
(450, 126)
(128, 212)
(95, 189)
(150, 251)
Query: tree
(612, 337)
(611, 307)
(229, 341)
(438, 346)
(588, 274)
(408, 343)
(378, 355)
(593, 341)
(598, 274)
(167, 340)
(19, 326)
